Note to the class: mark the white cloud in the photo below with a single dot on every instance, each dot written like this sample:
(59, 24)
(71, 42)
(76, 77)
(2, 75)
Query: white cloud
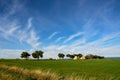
(8, 30)
(52, 35)
(73, 36)
(30, 23)
(111, 36)
(13, 53)
(8, 53)
(78, 42)
(103, 40)
(58, 39)
(97, 46)
(29, 35)
(12, 30)
(93, 47)
(53, 50)
(11, 9)
(33, 39)
(110, 51)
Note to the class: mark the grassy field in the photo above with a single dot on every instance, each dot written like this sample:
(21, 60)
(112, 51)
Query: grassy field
(95, 69)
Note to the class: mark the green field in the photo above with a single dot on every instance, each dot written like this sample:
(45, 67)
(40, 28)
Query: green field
(100, 69)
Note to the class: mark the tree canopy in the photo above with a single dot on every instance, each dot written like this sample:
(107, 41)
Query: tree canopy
(37, 54)
(61, 55)
(25, 55)
(73, 55)
(91, 56)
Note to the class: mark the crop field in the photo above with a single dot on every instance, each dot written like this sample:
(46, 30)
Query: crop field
(106, 69)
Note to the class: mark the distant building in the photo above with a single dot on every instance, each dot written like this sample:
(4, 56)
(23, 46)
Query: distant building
(83, 57)
(75, 58)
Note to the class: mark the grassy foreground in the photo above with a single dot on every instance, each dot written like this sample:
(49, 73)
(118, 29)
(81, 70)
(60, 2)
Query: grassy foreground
(61, 69)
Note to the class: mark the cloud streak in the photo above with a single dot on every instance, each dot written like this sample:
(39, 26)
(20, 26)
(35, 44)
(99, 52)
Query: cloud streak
(73, 36)
(12, 8)
(27, 34)
(52, 35)
(33, 39)
(59, 39)
(29, 23)
(94, 47)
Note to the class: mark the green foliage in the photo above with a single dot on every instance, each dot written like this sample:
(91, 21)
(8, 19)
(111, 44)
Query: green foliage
(34, 55)
(91, 56)
(37, 54)
(67, 55)
(61, 55)
(25, 55)
(78, 55)
(73, 55)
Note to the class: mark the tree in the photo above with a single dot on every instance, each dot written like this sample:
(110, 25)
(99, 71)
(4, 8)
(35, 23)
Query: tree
(67, 55)
(34, 55)
(72, 56)
(78, 55)
(25, 55)
(89, 56)
(37, 54)
(61, 55)
(98, 57)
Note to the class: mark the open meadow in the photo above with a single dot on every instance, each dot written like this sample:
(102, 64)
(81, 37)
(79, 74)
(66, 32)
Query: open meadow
(106, 69)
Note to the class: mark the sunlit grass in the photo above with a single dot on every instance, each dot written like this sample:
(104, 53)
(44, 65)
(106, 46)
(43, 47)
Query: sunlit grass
(7, 72)
(66, 69)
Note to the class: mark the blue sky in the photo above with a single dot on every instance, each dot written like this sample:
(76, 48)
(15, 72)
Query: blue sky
(67, 26)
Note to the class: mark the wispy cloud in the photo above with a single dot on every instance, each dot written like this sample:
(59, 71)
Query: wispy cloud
(73, 36)
(11, 9)
(78, 42)
(11, 29)
(29, 35)
(14, 31)
(58, 39)
(29, 22)
(93, 47)
(111, 36)
(33, 39)
(52, 35)
(104, 39)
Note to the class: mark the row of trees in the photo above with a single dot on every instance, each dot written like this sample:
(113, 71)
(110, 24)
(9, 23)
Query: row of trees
(39, 54)
(89, 56)
(36, 54)
(61, 55)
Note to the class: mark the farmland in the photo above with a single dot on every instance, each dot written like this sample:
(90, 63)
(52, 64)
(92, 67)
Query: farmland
(106, 69)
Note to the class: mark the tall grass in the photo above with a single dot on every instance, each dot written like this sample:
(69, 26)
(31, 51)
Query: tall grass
(16, 73)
